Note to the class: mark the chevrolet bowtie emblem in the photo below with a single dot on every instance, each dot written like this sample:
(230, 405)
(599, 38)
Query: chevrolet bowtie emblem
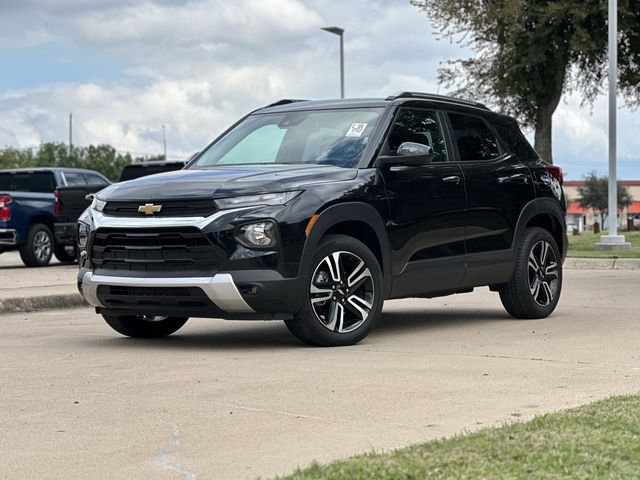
(149, 208)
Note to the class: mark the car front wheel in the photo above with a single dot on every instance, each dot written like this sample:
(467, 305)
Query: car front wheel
(343, 294)
(144, 326)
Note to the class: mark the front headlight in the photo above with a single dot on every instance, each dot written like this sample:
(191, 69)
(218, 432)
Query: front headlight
(83, 235)
(278, 198)
(97, 205)
(259, 234)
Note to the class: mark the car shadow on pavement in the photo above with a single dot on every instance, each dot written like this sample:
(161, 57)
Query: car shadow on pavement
(427, 319)
(274, 335)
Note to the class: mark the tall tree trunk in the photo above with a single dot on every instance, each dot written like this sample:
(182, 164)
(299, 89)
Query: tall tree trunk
(547, 104)
(544, 123)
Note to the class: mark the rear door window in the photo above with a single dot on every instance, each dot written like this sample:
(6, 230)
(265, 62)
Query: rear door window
(474, 138)
(74, 179)
(37, 182)
(93, 179)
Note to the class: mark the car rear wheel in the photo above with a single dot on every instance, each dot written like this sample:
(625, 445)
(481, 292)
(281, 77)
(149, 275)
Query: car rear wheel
(37, 251)
(534, 289)
(344, 294)
(65, 254)
(144, 326)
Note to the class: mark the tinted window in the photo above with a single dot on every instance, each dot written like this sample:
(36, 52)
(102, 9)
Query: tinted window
(74, 179)
(93, 179)
(473, 138)
(418, 126)
(313, 137)
(516, 141)
(42, 182)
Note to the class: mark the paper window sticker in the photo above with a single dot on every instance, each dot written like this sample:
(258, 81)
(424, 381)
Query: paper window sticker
(356, 130)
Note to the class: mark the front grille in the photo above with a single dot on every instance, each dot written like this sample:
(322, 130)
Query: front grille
(166, 297)
(199, 207)
(184, 249)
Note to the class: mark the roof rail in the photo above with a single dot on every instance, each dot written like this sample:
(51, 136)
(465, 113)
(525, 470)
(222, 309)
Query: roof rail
(433, 96)
(284, 101)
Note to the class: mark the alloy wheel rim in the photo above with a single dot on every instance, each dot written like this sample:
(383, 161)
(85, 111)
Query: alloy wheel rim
(42, 245)
(543, 273)
(342, 292)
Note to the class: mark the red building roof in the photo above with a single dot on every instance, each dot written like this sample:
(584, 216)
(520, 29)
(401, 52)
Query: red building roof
(634, 207)
(578, 183)
(574, 208)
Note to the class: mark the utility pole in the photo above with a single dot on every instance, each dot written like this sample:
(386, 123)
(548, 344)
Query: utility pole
(164, 143)
(70, 133)
(613, 241)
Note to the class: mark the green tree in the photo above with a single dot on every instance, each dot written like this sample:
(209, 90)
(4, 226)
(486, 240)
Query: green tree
(530, 52)
(101, 158)
(594, 194)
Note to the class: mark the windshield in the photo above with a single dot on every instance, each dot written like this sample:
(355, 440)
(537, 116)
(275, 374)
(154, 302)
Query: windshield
(315, 137)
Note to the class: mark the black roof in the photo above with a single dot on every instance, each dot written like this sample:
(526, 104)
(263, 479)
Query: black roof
(288, 105)
(50, 169)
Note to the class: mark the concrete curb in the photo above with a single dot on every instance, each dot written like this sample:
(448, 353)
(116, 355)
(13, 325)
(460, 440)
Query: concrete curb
(573, 263)
(44, 302)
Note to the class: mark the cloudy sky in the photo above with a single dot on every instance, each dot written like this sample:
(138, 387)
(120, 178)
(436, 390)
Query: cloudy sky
(126, 67)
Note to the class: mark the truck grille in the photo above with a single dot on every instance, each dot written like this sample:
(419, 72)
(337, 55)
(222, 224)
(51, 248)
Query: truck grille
(184, 249)
(198, 207)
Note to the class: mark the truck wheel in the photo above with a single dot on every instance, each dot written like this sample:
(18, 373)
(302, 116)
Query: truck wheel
(143, 326)
(63, 255)
(344, 298)
(534, 288)
(37, 251)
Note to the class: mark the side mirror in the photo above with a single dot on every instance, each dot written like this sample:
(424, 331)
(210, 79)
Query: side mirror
(409, 154)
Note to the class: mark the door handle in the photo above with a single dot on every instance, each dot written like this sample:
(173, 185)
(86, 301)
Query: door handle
(452, 179)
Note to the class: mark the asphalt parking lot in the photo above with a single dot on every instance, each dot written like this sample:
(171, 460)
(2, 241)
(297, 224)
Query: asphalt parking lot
(226, 400)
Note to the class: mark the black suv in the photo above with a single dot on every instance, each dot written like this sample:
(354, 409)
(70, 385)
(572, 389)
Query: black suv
(315, 212)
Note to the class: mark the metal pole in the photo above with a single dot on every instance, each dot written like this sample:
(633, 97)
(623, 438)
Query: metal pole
(164, 143)
(613, 90)
(342, 65)
(613, 241)
(70, 133)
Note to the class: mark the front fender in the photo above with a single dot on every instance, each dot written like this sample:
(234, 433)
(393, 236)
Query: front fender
(349, 212)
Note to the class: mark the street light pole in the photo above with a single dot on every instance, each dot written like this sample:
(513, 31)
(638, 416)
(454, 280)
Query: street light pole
(164, 143)
(613, 241)
(340, 32)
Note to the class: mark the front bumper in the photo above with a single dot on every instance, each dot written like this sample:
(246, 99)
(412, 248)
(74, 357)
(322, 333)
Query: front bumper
(250, 295)
(8, 236)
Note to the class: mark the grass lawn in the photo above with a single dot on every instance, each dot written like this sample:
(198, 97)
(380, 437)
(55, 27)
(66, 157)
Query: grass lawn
(584, 246)
(599, 440)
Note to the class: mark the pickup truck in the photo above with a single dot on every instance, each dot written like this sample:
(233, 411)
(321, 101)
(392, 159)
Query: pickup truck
(39, 209)
(143, 169)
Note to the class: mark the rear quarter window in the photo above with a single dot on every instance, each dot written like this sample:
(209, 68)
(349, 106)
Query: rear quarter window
(516, 141)
(36, 182)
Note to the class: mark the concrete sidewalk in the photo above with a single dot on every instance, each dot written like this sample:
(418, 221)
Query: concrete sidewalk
(30, 289)
(26, 289)
(237, 400)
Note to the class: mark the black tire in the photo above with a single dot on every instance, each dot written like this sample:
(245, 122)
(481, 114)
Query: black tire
(138, 326)
(357, 318)
(534, 292)
(37, 250)
(63, 255)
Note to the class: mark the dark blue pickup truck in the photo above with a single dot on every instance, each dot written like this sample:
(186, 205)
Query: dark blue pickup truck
(39, 209)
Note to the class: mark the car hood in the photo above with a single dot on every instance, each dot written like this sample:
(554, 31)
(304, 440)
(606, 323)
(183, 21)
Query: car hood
(225, 182)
